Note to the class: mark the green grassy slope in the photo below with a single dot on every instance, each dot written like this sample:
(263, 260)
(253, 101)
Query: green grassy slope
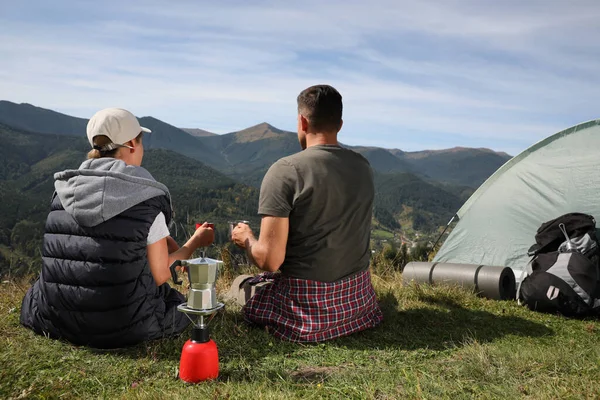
(434, 343)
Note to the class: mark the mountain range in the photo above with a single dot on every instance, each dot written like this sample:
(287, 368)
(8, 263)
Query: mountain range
(216, 177)
(246, 154)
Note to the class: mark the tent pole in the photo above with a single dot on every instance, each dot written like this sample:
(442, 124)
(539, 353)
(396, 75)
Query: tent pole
(441, 234)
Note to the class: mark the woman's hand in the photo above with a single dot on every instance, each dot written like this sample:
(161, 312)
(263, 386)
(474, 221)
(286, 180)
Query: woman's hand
(166, 251)
(204, 235)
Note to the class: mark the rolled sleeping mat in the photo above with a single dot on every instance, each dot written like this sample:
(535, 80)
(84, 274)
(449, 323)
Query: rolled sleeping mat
(493, 282)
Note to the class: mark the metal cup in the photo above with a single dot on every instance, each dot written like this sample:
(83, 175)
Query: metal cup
(233, 224)
(568, 246)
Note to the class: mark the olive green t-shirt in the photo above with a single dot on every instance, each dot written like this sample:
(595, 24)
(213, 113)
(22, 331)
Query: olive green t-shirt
(327, 192)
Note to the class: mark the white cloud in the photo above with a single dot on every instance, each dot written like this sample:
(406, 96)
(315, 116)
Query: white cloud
(483, 73)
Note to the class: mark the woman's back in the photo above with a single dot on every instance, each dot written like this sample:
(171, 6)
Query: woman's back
(96, 287)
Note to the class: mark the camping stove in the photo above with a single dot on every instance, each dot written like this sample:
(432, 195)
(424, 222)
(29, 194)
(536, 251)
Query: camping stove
(199, 357)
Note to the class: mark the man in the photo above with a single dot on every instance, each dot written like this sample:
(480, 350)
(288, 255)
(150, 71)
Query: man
(316, 210)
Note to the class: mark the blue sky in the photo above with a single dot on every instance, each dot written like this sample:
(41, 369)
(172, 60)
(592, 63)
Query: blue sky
(414, 75)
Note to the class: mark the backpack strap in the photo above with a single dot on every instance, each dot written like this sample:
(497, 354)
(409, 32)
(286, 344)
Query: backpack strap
(527, 270)
(596, 294)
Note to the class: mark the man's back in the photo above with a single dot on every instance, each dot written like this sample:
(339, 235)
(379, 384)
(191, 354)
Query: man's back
(327, 192)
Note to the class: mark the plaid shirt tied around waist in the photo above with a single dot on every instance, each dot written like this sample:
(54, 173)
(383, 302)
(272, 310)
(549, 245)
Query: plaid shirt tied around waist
(304, 311)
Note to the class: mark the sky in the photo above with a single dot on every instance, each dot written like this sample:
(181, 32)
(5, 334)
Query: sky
(414, 75)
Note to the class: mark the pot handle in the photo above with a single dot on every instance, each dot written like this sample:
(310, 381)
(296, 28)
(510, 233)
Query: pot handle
(176, 280)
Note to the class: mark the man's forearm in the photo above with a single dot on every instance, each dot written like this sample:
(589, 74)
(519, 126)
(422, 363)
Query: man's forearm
(268, 251)
(253, 251)
(258, 253)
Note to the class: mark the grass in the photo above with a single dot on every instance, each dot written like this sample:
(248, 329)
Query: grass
(436, 342)
(379, 234)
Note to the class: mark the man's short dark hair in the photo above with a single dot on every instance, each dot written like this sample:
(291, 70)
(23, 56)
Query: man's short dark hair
(322, 106)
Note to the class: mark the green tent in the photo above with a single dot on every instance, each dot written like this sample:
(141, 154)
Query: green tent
(497, 224)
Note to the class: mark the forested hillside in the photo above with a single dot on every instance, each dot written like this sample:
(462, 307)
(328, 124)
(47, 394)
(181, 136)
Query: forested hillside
(215, 177)
(30, 160)
(407, 199)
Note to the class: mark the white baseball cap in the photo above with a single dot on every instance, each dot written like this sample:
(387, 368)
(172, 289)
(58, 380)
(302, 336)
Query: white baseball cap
(119, 125)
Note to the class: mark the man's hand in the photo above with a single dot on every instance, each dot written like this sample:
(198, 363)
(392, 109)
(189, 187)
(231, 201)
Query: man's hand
(241, 234)
(268, 252)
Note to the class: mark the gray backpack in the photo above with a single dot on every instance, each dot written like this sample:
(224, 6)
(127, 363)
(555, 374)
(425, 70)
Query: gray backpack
(564, 274)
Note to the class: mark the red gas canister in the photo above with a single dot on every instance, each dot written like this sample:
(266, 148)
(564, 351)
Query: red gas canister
(199, 357)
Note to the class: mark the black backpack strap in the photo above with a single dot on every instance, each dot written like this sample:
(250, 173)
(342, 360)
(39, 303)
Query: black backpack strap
(534, 250)
(527, 270)
(596, 294)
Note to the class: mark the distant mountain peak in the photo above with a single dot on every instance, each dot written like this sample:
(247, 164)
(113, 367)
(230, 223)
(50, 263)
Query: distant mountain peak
(265, 126)
(151, 118)
(31, 118)
(13, 104)
(462, 148)
(261, 131)
(454, 150)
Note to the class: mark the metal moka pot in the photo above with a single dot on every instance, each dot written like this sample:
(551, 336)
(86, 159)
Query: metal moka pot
(199, 357)
(202, 274)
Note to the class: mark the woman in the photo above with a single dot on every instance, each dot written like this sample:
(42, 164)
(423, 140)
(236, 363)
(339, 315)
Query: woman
(107, 248)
